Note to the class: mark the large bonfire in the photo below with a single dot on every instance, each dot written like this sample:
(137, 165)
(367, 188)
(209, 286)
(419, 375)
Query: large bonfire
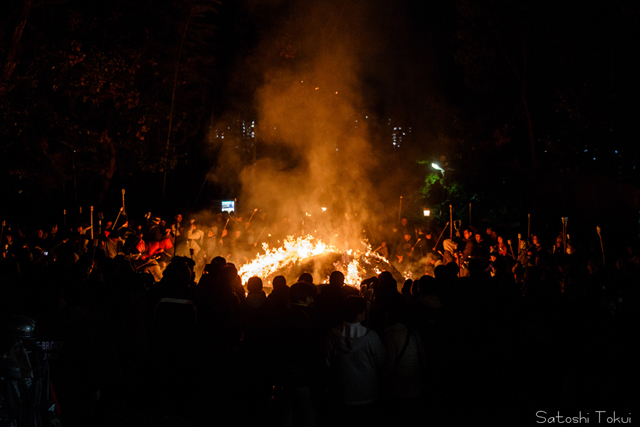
(297, 255)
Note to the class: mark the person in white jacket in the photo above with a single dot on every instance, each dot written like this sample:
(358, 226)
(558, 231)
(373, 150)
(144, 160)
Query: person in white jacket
(194, 238)
(355, 356)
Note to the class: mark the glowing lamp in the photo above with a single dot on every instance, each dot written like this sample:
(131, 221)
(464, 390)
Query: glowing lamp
(426, 212)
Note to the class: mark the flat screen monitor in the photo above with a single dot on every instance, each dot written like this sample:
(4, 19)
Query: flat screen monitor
(228, 206)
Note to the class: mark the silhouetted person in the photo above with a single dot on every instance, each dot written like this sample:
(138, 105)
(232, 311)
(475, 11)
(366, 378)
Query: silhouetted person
(299, 356)
(354, 356)
(279, 296)
(25, 391)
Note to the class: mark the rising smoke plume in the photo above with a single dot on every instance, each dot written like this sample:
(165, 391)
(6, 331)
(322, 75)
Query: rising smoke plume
(310, 114)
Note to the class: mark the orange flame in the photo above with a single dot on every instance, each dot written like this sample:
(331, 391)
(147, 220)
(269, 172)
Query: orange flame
(298, 250)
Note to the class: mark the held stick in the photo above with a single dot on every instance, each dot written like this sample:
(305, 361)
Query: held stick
(519, 244)
(250, 218)
(443, 230)
(400, 210)
(123, 199)
(91, 223)
(113, 227)
(259, 236)
(93, 242)
(601, 246)
(451, 222)
(565, 221)
(222, 232)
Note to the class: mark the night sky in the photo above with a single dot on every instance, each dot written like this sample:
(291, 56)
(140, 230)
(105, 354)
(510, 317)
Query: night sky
(535, 98)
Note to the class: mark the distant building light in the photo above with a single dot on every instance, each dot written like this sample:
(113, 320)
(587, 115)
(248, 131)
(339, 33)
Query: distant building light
(594, 158)
(616, 151)
(586, 151)
(366, 117)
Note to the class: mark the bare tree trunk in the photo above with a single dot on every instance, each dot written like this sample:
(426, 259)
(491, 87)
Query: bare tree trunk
(173, 98)
(10, 63)
(111, 170)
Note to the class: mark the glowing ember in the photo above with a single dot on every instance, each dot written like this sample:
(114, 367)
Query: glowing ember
(300, 250)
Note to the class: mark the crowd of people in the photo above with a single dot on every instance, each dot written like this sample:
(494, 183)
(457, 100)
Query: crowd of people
(147, 322)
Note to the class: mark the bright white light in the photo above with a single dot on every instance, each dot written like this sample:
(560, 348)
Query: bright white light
(437, 167)
(324, 209)
(426, 212)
